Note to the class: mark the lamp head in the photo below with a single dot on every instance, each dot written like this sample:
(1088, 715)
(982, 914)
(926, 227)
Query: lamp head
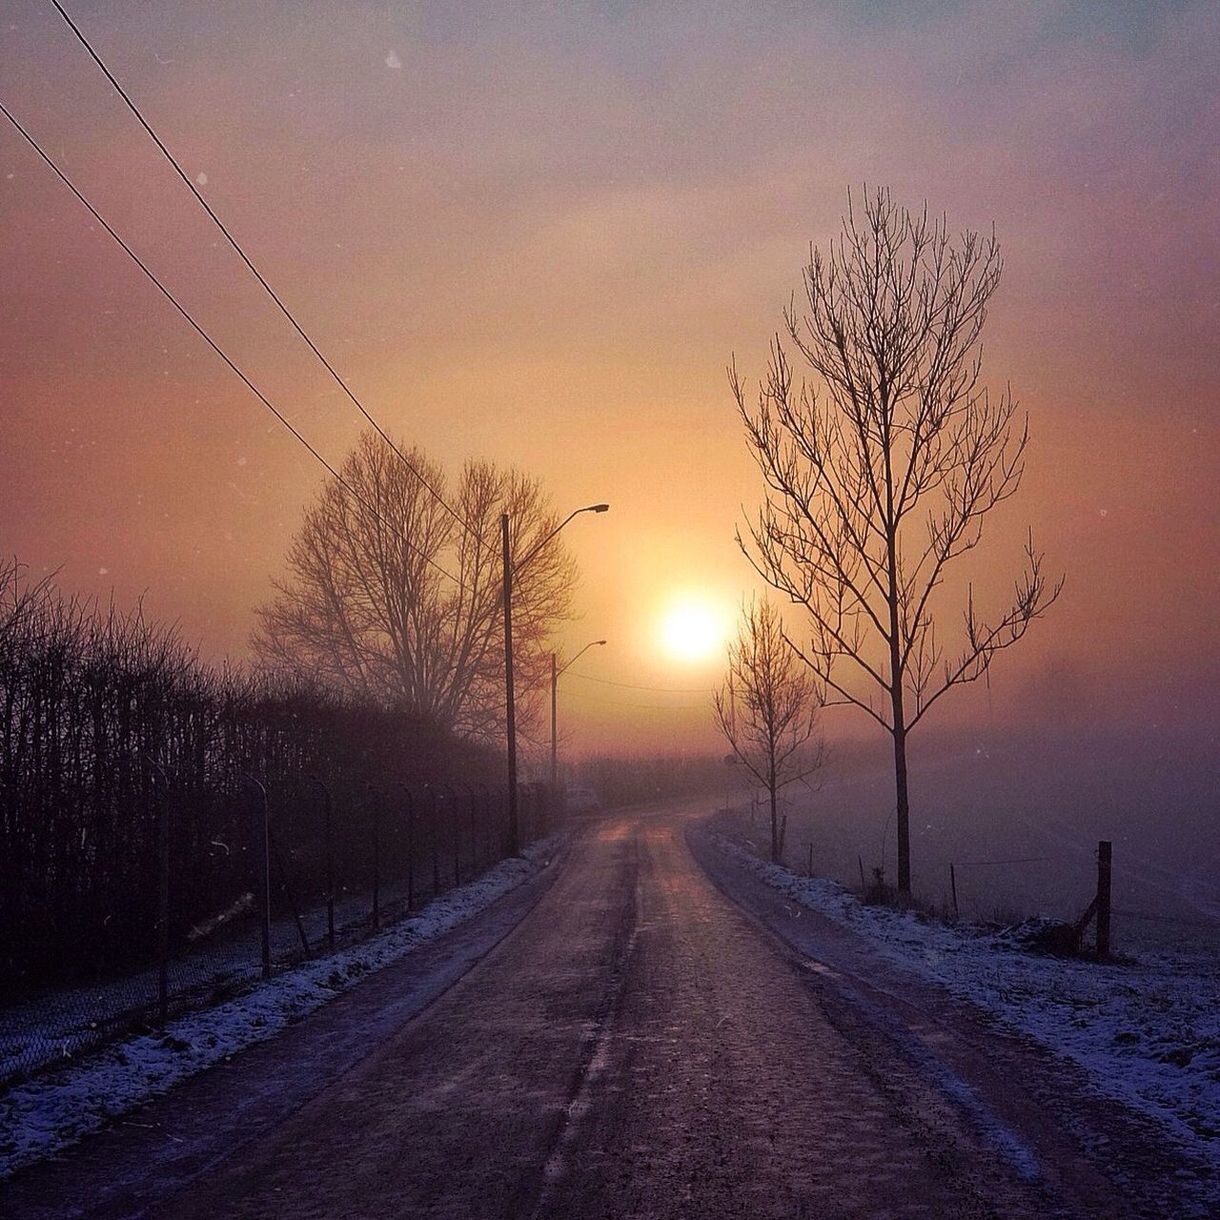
(599, 508)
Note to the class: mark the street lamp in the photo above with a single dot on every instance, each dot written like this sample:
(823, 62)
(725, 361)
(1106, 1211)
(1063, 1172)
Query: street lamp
(510, 726)
(555, 672)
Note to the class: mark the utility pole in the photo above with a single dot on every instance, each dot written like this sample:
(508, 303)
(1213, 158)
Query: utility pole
(554, 723)
(510, 704)
(556, 670)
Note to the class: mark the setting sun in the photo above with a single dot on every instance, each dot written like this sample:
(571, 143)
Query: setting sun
(693, 629)
(533, 671)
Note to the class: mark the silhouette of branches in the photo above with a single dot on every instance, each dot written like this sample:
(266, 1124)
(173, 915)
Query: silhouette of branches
(104, 716)
(767, 708)
(881, 471)
(365, 611)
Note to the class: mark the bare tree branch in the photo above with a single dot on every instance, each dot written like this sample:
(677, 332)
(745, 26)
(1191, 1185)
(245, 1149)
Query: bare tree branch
(767, 708)
(364, 611)
(881, 471)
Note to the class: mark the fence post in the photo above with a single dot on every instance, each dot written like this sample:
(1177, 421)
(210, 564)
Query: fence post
(809, 869)
(434, 828)
(406, 792)
(455, 831)
(863, 883)
(1104, 867)
(329, 832)
(262, 848)
(288, 892)
(953, 887)
(376, 818)
(474, 833)
(162, 898)
(491, 807)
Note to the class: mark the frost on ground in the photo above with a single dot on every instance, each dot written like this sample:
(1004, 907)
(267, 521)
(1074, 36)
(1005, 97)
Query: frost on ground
(64, 1024)
(1147, 1032)
(44, 1115)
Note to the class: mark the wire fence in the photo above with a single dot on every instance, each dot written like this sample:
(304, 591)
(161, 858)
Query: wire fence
(165, 823)
(310, 874)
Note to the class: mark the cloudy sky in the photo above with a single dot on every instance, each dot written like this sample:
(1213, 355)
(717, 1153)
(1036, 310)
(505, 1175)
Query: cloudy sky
(539, 232)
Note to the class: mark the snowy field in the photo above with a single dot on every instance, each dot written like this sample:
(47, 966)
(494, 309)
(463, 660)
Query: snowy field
(41, 1116)
(1147, 1031)
(1020, 818)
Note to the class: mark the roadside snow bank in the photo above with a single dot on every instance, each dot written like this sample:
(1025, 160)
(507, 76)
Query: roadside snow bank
(1147, 1032)
(41, 1116)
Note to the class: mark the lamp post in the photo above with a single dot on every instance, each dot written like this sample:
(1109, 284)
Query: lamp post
(510, 707)
(555, 672)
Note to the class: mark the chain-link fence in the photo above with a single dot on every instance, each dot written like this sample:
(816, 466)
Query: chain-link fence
(282, 875)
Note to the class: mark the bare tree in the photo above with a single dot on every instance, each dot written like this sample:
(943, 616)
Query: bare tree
(767, 708)
(881, 476)
(368, 610)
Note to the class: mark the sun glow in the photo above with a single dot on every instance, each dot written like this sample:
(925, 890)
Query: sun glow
(693, 629)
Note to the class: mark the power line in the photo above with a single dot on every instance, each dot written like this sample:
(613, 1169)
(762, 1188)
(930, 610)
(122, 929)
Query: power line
(652, 707)
(203, 334)
(668, 690)
(258, 275)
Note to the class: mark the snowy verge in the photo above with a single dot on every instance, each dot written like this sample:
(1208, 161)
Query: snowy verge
(1147, 1032)
(41, 1116)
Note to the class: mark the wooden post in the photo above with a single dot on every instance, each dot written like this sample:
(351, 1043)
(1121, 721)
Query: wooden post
(554, 721)
(863, 885)
(809, 868)
(1104, 849)
(953, 886)
(510, 702)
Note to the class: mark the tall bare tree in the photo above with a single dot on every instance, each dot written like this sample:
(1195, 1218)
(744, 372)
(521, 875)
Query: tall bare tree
(767, 708)
(366, 609)
(880, 473)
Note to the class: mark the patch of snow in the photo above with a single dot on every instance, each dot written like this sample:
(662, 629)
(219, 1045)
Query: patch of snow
(1147, 1032)
(41, 1116)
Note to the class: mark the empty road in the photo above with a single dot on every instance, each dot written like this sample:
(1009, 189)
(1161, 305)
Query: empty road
(639, 1044)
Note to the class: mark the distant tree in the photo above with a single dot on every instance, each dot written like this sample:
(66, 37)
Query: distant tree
(881, 475)
(365, 609)
(767, 708)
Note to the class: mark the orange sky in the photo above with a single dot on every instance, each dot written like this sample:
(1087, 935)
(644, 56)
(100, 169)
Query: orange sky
(540, 237)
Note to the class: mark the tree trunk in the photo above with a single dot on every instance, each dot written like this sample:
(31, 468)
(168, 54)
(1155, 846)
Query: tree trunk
(902, 807)
(897, 669)
(774, 818)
